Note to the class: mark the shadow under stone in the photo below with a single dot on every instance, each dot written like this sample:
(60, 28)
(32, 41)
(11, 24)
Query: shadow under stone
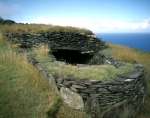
(72, 56)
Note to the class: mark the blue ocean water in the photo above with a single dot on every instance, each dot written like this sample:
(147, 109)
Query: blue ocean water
(136, 40)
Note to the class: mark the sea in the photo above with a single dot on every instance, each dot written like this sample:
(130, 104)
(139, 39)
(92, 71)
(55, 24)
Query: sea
(135, 40)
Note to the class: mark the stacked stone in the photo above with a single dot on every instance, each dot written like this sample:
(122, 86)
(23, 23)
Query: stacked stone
(127, 86)
(99, 59)
(58, 40)
(118, 97)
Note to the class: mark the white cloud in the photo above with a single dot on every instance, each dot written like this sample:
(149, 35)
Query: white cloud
(96, 25)
(8, 10)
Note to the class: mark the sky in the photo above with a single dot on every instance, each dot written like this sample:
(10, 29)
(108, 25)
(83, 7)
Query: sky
(99, 16)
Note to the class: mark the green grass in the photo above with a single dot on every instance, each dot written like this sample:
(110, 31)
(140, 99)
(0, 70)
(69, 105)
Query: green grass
(23, 93)
(101, 72)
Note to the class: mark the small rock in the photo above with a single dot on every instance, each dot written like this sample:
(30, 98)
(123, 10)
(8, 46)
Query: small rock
(78, 86)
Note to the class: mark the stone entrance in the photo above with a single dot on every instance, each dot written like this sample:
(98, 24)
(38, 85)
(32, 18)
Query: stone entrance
(72, 56)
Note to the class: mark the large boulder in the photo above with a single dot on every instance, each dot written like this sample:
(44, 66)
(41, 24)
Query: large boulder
(71, 98)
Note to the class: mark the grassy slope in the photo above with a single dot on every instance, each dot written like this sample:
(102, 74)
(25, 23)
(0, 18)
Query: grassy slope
(24, 94)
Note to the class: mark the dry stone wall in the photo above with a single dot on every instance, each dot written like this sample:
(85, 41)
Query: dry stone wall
(120, 97)
(59, 40)
(88, 46)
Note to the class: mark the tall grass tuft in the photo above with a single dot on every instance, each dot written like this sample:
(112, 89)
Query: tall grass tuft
(42, 50)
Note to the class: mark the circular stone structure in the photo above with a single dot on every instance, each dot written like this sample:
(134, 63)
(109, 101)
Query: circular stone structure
(71, 47)
(120, 97)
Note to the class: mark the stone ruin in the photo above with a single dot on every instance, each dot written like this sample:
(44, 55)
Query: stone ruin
(120, 97)
(71, 47)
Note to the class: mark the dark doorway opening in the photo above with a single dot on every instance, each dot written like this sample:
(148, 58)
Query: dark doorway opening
(72, 56)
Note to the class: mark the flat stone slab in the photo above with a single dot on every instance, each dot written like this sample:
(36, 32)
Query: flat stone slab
(88, 82)
(78, 86)
(120, 79)
(73, 99)
(132, 75)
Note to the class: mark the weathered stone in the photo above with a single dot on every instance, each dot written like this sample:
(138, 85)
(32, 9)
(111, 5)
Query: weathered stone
(105, 107)
(120, 79)
(84, 94)
(71, 98)
(114, 88)
(78, 86)
(129, 80)
(88, 81)
(95, 94)
(53, 83)
(60, 85)
(88, 90)
(66, 83)
(110, 82)
(74, 89)
(44, 75)
(123, 109)
(92, 107)
(101, 89)
(141, 69)
(109, 96)
(93, 82)
(99, 86)
(132, 75)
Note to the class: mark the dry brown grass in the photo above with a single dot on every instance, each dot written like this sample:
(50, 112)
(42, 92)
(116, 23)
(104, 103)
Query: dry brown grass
(66, 112)
(122, 53)
(39, 28)
(23, 93)
(42, 50)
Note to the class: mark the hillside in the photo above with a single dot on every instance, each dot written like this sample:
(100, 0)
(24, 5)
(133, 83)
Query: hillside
(32, 97)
